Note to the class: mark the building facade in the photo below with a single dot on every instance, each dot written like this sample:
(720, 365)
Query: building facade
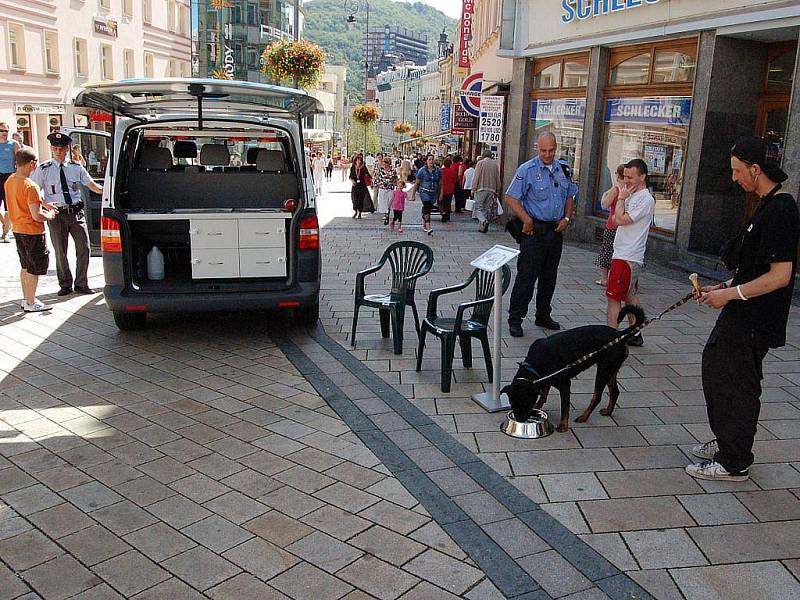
(53, 47)
(399, 97)
(673, 82)
(386, 46)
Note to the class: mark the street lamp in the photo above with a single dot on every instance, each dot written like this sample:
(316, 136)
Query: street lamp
(354, 6)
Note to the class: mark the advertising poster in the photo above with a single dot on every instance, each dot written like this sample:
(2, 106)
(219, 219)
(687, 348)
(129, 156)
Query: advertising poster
(656, 157)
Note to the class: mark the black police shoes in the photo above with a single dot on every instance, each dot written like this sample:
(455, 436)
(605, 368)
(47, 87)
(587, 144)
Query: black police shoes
(83, 290)
(64, 291)
(515, 330)
(548, 323)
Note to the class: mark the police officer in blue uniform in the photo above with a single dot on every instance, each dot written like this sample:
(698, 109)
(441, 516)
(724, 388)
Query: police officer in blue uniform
(60, 179)
(542, 195)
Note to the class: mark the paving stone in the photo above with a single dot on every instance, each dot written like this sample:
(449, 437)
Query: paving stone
(32, 499)
(716, 509)
(450, 574)
(325, 552)
(217, 533)
(61, 578)
(378, 578)
(199, 487)
(262, 559)
(355, 475)
(174, 589)
(336, 522)
(658, 583)
(612, 547)
(563, 461)
(387, 545)
(485, 590)
(178, 511)
(144, 491)
(61, 520)
(663, 549)
(244, 587)
(568, 514)
(392, 490)
(266, 463)
(454, 481)
(159, 541)
(91, 496)
(306, 582)
(775, 476)
(748, 542)
(426, 591)
(774, 505)
(607, 437)
(166, 470)
(515, 538)
(482, 507)
(61, 478)
(123, 517)
(27, 550)
(11, 585)
(659, 435)
(737, 582)
(200, 568)
(572, 486)
(652, 482)
(278, 528)
(236, 507)
(130, 573)
(650, 457)
(251, 483)
(398, 519)
(278, 444)
(215, 466)
(556, 576)
(635, 513)
(304, 479)
(93, 545)
(13, 478)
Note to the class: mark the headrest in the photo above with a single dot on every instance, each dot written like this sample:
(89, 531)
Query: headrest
(270, 160)
(215, 155)
(252, 155)
(185, 149)
(156, 158)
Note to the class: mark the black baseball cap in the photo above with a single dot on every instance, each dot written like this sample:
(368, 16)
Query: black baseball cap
(753, 151)
(59, 140)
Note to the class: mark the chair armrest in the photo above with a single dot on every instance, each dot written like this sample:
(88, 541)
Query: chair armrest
(360, 292)
(433, 297)
(467, 306)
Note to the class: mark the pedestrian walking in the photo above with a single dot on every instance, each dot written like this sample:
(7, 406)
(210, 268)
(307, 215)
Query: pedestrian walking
(385, 183)
(633, 215)
(486, 186)
(404, 172)
(609, 202)
(449, 180)
(458, 196)
(329, 168)
(399, 196)
(755, 310)
(429, 184)
(61, 179)
(28, 212)
(360, 178)
(542, 195)
(373, 172)
(466, 180)
(344, 165)
(8, 148)
(318, 169)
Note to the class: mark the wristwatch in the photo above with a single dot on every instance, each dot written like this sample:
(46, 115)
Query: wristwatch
(566, 219)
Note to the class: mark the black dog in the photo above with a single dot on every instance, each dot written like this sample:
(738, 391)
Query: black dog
(548, 355)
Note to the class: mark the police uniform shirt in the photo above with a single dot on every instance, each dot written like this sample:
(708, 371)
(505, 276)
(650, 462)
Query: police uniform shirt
(542, 189)
(771, 236)
(48, 176)
(429, 182)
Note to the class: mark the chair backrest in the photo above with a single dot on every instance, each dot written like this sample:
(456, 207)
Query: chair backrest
(406, 259)
(484, 288)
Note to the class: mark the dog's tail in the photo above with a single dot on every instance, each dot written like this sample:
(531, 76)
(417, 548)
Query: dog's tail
(630, 309)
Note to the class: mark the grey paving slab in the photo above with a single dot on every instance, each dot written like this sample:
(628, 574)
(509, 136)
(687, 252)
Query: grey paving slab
(716, 509)
(663, 549)
(307, 582)
(262, 559)
(28, 549)
(277, 528)
(159, 541)
(737, 582)
(635, 513)
(131, 572)
(61, 578)
(748, 542)
(244, 587)
(200, 567)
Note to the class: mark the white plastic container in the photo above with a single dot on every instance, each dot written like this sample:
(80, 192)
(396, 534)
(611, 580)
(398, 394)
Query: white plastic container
(155, 264)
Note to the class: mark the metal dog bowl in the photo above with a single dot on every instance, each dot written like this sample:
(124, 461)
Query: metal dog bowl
(537, 426)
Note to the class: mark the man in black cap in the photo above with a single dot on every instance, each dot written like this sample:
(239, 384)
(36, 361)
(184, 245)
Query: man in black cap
(60, 179)
(755, 309)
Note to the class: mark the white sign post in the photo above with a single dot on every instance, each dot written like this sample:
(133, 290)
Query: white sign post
(490, 125)
(492, 261)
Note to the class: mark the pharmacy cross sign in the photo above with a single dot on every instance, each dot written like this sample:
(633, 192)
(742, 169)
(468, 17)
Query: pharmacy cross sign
(470, 94)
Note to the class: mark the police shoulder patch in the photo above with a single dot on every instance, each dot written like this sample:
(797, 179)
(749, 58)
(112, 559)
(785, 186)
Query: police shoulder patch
(45, 164)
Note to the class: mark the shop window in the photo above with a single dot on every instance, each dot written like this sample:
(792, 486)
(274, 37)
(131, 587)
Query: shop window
(81, 51)
(780, 71)
(127, 8)
(128, 63)
(171, 15)
(106, 61)
(251, 14)
(670, 67)
(183, 20)
(549, 77)
(148, 64)
(147, 11)
(16, 45)
(105, 4)
(576, 74)
(563, 117)
(655, 130)
(173, 67)
(634, 70)
(51, 52)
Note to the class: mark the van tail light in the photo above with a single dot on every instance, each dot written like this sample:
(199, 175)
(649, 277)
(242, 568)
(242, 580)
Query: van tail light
(309, 233)
(109, 235)
(290, 205)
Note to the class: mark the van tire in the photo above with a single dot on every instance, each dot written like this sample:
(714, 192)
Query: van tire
(308, 315)
(130, 321)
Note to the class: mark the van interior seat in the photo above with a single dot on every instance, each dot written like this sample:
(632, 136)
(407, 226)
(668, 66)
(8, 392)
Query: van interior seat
(215, 155)
(154, 158)
(270, 161)
(184, 149)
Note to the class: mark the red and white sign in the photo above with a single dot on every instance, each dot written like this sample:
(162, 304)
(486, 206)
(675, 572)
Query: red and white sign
(470, 94)
(467, 10)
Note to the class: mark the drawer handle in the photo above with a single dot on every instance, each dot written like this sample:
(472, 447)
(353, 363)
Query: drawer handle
(264, 262)
(214, 233)
(216, 263)
(261, 232)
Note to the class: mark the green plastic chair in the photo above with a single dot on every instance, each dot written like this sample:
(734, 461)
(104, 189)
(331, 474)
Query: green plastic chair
(449, 329)
(408, 261)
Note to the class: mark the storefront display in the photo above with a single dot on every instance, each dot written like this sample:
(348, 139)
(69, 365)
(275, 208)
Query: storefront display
(563, 117)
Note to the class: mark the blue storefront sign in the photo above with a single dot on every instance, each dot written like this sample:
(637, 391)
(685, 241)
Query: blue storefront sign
(444, 117)
(564, 109)
(654, 111)
(587, 9)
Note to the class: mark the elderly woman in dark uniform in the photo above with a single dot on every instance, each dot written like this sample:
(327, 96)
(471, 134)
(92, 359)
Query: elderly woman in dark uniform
(359, 177)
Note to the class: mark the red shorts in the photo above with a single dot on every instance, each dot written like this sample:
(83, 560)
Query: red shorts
(623, 280)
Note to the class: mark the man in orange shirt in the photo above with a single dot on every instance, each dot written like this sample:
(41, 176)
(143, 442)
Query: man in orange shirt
(28, 212)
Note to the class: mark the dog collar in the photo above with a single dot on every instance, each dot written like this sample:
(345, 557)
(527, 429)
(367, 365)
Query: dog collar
(530, 369)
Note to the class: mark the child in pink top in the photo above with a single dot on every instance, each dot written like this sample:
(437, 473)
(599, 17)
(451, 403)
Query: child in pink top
(398, 204)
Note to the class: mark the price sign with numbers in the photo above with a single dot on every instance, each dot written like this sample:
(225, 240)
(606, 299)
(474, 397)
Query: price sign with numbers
(490, 127)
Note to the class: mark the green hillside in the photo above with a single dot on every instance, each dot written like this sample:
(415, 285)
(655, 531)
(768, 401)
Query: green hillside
(326, 26)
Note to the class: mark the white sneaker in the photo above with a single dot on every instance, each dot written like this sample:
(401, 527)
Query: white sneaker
(706, 451)
(713, 471)
(37, 306)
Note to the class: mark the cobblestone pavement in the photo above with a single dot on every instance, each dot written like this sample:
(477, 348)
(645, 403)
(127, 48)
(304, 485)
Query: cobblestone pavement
(225, 456)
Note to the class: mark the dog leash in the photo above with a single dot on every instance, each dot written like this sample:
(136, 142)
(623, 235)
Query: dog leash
(636, 329)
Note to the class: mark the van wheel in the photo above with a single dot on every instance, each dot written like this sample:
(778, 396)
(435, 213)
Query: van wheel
(130, 321)
(307, 315)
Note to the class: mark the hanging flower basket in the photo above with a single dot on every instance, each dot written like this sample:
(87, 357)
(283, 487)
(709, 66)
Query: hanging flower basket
(422, 142)
(365, 114)
(220, 4)
(402, 127)
(220, 74)
(289, 61)
(417, 133)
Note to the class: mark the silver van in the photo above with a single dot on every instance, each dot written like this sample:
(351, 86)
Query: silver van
(208, 202)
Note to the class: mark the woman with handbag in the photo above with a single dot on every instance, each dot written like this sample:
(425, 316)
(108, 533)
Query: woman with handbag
(359, 177)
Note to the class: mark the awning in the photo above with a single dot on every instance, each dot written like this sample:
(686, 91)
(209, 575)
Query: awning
(436, 136)
(317, 135)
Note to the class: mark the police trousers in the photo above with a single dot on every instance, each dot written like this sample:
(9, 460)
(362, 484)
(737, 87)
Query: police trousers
(732, 375)
(61, 228)
(538, 260)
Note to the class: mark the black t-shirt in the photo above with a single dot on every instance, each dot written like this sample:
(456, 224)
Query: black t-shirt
(771, 236)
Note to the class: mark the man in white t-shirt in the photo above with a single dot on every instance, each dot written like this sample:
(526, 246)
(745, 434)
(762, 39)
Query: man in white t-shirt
(633, 216)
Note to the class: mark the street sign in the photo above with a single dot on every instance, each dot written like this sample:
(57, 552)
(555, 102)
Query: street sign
(462, 119)
(444, 117)
(490, 126)
(470, 94)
